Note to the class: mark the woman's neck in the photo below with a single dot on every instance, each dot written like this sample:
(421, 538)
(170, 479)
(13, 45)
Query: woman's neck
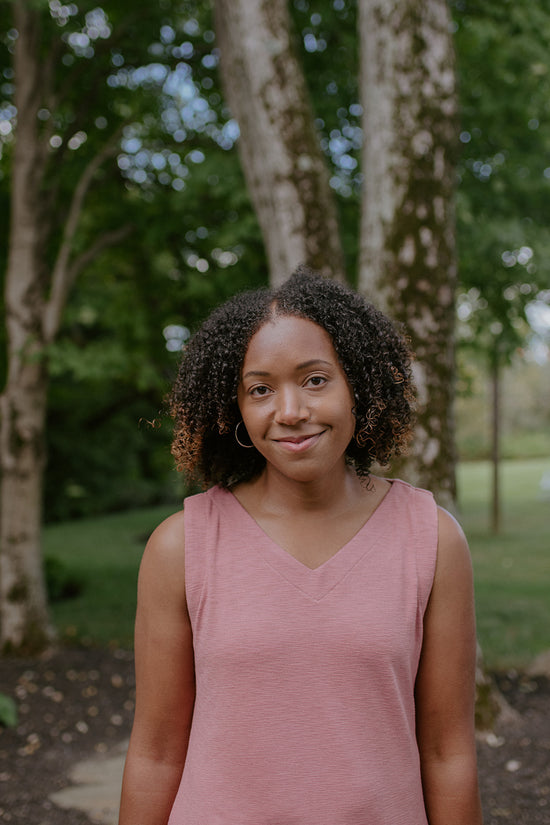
(334, 492)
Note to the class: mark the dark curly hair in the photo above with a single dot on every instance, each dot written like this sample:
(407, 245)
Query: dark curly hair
(375, 358)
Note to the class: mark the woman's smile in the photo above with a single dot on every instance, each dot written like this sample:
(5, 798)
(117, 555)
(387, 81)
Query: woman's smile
(299, 443)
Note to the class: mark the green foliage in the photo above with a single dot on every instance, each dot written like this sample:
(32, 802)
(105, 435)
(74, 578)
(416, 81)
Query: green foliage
(8, 711)
(111, 371)
(504, 172)
(60, 582)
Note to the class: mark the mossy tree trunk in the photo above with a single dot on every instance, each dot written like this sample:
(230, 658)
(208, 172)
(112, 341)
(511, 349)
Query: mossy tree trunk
(283, 163)
(35, 295)
(24, 614)
(407, 244)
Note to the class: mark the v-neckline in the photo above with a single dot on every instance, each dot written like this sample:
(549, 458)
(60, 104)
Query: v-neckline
(316, 582)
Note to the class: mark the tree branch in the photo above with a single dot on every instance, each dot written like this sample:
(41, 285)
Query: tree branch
(104, 241)
(56, 303)
(63, 273)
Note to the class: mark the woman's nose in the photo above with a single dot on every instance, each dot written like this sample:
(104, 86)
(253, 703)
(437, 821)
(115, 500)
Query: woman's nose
(291, 407)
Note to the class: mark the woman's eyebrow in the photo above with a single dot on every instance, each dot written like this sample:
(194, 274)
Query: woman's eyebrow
(260, 373)
(314, 362)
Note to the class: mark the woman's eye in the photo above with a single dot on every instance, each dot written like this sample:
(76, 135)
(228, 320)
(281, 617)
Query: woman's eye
(261, 390)
(317, 380)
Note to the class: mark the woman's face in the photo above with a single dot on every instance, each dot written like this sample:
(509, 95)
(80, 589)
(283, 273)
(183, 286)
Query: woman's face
(295, 400)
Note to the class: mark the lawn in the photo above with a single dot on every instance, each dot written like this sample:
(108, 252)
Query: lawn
(100, 557)
(512, 569)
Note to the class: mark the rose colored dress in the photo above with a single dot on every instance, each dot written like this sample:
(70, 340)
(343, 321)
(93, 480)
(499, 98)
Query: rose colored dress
(305, 678)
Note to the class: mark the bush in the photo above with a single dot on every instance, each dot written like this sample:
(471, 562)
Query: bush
(61, 583)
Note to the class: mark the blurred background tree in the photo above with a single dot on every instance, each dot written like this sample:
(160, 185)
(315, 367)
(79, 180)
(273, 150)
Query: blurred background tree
(407, 231)
(284, 164)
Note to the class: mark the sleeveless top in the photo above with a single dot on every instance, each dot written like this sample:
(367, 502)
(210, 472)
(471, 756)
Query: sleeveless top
(304, 711)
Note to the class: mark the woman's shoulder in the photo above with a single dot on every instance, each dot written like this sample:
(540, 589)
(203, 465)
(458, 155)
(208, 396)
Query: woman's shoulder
(453, 550)
(406, 488)
(169, 537)
(165, 546)
(417, 502)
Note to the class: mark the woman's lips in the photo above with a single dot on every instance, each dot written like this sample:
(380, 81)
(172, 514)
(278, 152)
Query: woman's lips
(299, 443)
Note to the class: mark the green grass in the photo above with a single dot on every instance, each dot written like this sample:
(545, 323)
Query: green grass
(103, 554)
(512, 570)
(474, 444)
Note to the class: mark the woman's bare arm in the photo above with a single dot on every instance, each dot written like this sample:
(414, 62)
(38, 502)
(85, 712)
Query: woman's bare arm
(165, 683)
(445, 687)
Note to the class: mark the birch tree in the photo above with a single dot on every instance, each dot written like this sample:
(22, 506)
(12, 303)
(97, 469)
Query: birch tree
(407, 243)
(407, 258)
(56, 86)
(283, 163)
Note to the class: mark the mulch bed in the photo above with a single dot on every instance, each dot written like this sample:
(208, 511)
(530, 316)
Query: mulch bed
(73, 704)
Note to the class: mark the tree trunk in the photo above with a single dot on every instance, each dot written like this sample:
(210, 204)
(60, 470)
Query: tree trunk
(282, 160)
(495, 441)
(24, 614)
(35, 297)
(23, 605)
(407, 254)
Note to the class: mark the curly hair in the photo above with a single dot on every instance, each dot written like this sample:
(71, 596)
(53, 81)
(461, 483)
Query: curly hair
(374, 356)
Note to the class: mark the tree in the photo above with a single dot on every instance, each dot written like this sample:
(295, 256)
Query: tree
(58, 155)
(283, 163)
(407, 254)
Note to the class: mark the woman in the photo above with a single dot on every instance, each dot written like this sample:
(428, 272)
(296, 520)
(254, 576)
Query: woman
(309, 659)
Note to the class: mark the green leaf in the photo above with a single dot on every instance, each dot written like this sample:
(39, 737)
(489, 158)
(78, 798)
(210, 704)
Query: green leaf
(8, 711)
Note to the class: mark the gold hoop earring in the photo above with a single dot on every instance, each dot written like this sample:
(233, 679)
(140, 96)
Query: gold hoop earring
(240, 443)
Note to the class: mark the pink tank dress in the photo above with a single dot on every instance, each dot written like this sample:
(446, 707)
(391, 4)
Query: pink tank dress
(304, 712)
